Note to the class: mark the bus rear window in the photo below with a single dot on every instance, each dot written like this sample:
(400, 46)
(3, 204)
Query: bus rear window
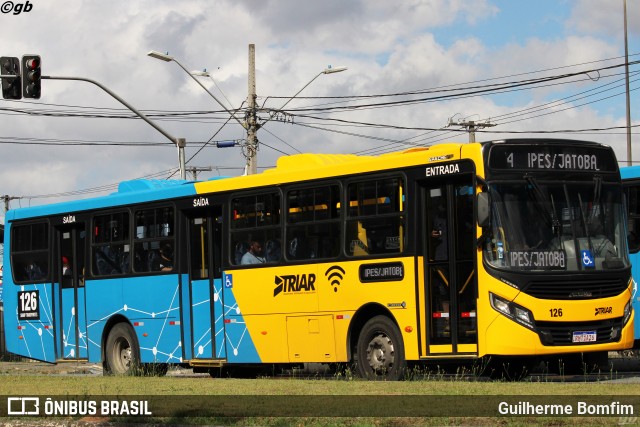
(30, 253)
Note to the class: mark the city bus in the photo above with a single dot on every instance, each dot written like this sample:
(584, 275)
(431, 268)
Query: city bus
(502, 253)
(631, 183)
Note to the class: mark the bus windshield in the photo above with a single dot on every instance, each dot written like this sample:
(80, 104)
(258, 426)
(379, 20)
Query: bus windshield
(556, 226)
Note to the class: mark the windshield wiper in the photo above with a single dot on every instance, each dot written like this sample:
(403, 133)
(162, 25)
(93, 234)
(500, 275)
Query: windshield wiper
(596, 198)
(587, 232)
(549, 213)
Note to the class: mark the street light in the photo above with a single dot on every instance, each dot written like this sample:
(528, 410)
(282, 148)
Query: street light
(167, 58)
(328, 70)
(205, 73)
(253, 148)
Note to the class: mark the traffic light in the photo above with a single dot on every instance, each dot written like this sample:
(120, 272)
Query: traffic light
(31, 76)
(10, 66)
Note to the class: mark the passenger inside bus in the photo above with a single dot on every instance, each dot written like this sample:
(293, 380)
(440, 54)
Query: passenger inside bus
(34, 272)
(165, 260)
(66, 268)
(253, 255)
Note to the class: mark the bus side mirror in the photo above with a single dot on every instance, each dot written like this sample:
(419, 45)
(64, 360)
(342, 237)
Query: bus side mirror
(483, 209)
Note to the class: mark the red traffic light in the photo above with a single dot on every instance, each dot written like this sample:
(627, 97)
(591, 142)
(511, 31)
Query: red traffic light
(32, 64)
(31, 75)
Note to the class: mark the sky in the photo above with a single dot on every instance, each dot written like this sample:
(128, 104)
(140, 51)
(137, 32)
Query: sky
(405, 61)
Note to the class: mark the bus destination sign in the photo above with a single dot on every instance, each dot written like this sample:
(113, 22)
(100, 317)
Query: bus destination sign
(381, 272)
(552, 158)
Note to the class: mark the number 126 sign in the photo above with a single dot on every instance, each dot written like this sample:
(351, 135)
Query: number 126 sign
(29, 305)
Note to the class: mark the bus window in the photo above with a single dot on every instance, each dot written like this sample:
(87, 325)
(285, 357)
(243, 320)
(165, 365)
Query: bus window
(29, 252)
(376, 221)
(154, 240)
(313, 223)
(255, 218)
(110, 246)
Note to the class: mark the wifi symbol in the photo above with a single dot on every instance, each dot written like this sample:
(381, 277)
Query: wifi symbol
(334, 275)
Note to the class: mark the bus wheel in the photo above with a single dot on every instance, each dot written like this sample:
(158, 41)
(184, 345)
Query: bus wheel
(380, 350)
(122, 356)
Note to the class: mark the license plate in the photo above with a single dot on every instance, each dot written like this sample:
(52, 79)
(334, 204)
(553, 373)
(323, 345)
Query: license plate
(584, 336)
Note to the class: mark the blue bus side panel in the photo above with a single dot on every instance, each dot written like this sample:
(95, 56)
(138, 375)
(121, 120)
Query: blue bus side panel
(187, 320)
(68, 324)
(151, 305)
(208, 326)
(30, 338)
(83, 343)
(73, 317)
(201, 311)
(104, 300)
(218, 313)
(240, 347)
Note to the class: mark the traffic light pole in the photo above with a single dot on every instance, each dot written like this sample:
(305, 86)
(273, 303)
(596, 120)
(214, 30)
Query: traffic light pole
(179, 142)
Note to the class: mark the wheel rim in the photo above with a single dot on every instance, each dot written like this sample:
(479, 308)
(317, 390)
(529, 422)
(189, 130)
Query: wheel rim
(122, 355)
(380, 354)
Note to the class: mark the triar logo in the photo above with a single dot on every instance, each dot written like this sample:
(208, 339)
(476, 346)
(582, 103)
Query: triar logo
(294, 283)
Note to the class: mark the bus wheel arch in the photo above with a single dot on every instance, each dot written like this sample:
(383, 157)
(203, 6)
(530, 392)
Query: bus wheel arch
(376, 345)
(120, 349)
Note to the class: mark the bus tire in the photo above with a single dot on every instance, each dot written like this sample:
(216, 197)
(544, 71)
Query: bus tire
(380, 350)
(122, 355)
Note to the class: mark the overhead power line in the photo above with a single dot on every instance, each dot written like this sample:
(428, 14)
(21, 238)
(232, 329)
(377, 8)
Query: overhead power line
(302, 116)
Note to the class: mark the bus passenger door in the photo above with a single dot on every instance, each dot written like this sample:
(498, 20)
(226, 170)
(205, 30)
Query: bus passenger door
(70, 266)
(205, 284)
(450, 279)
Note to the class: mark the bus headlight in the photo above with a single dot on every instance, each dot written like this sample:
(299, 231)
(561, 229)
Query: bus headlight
(523, 315)
(513, 311)
(627, 313)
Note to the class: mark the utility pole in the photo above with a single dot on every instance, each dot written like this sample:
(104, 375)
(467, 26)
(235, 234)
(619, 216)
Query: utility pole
(7, 199)
(626, 68)
(195, 169)
(252, 121)
(471, 127)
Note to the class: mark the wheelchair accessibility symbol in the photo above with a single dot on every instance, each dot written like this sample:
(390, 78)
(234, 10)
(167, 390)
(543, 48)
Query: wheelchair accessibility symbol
(587, 259)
